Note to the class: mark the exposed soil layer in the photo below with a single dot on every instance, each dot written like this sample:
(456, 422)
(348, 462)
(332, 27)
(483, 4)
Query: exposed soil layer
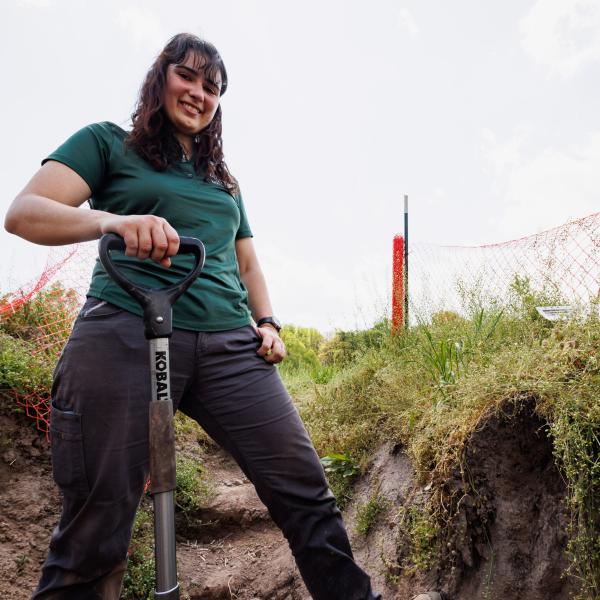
(511, 528)
(29, 505)
(507, 540)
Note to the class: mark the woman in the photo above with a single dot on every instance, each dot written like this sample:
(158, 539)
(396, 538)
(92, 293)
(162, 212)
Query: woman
(167, 178)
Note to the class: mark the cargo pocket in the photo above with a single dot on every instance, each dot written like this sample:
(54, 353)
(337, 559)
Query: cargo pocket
(68, 465)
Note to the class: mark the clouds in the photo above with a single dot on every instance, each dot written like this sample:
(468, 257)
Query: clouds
(563, 36)
(556, 185)
(35, 3)
(143, 26)
(407, 23)
(542, 189)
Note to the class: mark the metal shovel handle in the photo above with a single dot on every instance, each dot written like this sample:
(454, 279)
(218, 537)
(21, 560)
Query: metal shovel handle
(155, 302)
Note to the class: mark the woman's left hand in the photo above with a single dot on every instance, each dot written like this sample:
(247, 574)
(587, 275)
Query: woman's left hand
(272, 348)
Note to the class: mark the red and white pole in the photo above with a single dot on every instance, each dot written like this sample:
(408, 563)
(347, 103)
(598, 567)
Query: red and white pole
(400, 276)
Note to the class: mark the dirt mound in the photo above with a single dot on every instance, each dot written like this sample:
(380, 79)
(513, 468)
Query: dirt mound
(507, 539)
(391, 475)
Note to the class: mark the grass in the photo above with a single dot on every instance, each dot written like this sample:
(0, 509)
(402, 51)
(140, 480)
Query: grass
(427, 388)
(431, 386)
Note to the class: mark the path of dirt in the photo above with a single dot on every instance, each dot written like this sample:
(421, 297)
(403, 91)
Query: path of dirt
(243, 556)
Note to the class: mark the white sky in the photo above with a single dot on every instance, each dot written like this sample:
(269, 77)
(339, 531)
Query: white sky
(485, 113)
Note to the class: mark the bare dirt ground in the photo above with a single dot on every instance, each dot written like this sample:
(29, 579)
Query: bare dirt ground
(518, 554)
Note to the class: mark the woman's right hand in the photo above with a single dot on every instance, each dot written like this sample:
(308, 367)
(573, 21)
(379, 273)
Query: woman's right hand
(145, 236)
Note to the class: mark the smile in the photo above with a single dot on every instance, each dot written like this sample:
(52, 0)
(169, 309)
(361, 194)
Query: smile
(190, 107)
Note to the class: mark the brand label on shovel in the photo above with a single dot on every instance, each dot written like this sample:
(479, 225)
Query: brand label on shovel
(160, 369)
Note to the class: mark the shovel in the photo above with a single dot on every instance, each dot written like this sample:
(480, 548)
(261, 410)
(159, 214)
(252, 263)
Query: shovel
(157, 307)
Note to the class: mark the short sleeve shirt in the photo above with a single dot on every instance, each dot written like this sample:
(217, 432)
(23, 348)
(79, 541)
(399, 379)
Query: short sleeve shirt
(123, 183)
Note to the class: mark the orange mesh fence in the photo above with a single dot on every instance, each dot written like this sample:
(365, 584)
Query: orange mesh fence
(42, 311)
(560, 266)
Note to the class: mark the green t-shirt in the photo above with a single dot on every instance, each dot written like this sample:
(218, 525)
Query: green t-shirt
(125, 184)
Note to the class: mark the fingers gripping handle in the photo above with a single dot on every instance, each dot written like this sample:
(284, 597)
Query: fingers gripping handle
(156, 303)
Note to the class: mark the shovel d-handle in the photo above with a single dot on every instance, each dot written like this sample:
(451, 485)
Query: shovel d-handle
(155, 302)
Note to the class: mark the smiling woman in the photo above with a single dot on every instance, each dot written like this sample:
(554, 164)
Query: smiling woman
(165, 178)
(184, 86)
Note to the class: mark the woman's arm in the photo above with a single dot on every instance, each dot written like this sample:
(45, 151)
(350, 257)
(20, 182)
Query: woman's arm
(272, 348)
(46, 212)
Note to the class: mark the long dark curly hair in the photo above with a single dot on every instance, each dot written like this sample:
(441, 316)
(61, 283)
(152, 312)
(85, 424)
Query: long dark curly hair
(152, 135)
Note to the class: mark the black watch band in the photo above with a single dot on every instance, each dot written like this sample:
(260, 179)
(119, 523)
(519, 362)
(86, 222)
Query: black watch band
(270, 321)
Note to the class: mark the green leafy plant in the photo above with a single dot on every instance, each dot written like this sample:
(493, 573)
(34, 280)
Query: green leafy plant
(21, 562)
(21, 369)
(341, 470)
(443, 359)
(322, 374)
(339, 464)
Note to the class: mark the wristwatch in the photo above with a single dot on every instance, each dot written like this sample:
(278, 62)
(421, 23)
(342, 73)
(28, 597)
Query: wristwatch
(271, 321)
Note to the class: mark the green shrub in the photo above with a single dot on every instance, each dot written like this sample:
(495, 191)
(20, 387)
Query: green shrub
(47, 315)
(346, 346)
(21, 369)
(302, 345)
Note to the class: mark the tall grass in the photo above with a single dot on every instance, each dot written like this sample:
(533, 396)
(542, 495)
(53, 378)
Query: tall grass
(430, 387)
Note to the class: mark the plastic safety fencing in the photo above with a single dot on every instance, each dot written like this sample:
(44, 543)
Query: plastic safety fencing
(560, 266)
(44, 310)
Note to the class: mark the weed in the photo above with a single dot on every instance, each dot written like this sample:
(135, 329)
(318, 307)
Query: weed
(322, 373)
(367, 513)
(21, 562)
(139, 580)
(419, 529)
(193, 486)
(341, 470)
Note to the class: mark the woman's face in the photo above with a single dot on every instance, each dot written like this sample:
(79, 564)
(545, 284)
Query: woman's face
(190, 98)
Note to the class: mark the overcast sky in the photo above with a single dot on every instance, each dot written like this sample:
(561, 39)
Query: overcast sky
(484, 113)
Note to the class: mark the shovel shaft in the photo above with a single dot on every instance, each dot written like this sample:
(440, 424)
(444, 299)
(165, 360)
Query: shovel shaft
(167, 587)
(162, 471)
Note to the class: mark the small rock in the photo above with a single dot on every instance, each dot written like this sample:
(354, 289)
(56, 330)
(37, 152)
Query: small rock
(9, 456)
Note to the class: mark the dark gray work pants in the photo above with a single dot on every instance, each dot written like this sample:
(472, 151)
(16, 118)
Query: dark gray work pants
(99, 433)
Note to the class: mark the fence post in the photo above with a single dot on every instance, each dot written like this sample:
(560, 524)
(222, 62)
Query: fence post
(405, 288)
(398, 283)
